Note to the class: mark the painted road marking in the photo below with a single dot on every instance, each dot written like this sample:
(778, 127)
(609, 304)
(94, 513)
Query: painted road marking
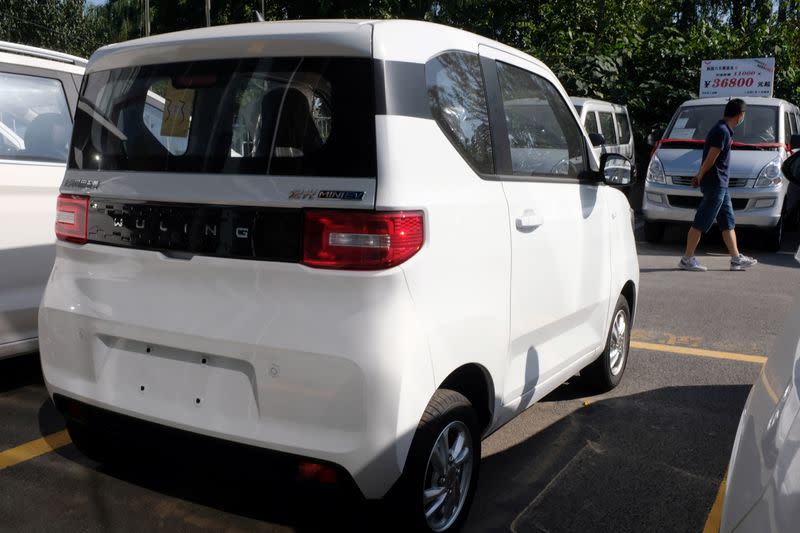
(33, 449)
(714, 520)
(698, 352)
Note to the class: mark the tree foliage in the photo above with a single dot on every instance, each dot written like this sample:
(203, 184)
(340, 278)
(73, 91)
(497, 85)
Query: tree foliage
(643, 53)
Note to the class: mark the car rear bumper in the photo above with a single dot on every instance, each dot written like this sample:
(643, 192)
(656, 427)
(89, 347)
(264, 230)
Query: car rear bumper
(311, 363)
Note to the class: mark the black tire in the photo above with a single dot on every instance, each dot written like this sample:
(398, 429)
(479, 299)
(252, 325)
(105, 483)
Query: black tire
(773, 237)
(606, 372)
(90, 443)
(447, 409)
(653, 232)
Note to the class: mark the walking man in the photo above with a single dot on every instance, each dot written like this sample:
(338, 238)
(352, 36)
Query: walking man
(712, 178)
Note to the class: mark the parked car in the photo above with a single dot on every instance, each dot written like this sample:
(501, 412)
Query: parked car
(763, 483)
(38, 94)
(611, 121)
(349, 260)
(757, 187)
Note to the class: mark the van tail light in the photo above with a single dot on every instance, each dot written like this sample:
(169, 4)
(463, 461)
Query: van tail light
(357, 240)
(72, 214)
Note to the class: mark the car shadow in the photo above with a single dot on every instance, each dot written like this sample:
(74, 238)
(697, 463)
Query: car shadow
(651, 461)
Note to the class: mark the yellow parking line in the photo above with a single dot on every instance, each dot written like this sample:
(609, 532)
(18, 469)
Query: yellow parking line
(713, 522)
(699, 352)
(35, 448)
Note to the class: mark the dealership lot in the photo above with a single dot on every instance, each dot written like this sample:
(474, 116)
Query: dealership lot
(647, 457)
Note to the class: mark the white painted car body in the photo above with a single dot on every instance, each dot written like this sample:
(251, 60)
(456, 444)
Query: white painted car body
(28, 184)
(763, 484)
(336, 365)
(610, 120)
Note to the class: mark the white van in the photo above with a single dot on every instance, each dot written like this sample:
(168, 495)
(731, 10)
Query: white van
(357, 256)
(609, 120)
(38, 94)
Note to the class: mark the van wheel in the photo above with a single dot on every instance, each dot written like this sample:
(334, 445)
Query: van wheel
(774, 236)
(441, 472)
(653, 232)
(606, 372)
(89, 442)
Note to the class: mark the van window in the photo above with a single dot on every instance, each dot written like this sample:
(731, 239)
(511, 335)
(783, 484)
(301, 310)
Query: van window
(277, 116)
(694, 122)
(544, 137)
(590, 122)
(35, 122)
(624, 128)
(458, 102)
(607, 127)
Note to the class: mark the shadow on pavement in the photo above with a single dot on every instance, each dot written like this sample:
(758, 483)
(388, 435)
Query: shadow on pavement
(20, 371)
(650, 461)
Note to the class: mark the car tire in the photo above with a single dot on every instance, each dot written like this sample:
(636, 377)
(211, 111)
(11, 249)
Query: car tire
(449, 422)
(90, 443)
(773, 237)
(653, 232)
(606, 371)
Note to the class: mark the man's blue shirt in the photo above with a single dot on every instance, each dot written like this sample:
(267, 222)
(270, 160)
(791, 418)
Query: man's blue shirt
(720, 136)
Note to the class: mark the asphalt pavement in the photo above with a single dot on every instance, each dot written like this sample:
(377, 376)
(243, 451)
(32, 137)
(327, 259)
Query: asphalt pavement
(649, 456)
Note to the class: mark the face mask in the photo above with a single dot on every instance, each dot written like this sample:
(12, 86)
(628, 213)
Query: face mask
(741, 122)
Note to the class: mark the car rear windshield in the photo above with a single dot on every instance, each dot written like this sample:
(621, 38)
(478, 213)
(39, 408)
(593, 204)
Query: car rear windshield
(694, 122)
(276, 116)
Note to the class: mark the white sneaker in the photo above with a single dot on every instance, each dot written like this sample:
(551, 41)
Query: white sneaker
(692, 264)
(742, 262)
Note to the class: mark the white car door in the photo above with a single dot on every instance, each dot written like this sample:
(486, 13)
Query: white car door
(560, 271)
(35, 124)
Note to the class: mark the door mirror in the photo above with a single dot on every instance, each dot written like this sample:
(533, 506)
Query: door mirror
(616, 169)
(597, 139)
(791, 167)
(654, 137)
(794, 142)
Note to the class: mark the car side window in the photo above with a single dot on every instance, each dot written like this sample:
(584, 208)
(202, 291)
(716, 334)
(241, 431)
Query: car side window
(624, 128)
(545, 140)
(35, 122)
(607, 127)
(788, 128)
(457, 97)
(590, 122)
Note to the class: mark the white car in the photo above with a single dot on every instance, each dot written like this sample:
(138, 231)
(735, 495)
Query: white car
(609, 120)
(346, 260)
(38, 93)
(763, 485)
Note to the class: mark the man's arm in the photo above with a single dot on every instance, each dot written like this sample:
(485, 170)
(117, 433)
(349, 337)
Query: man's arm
(711, 158)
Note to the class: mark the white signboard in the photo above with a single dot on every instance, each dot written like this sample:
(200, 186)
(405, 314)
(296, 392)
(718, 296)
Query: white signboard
(737, 77)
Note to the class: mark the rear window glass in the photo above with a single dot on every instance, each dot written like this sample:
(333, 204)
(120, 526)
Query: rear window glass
(35, 122)
(607, 127)
(694, 122)
(458, 102)
(590, 123)
(624, 128)
(279, 116)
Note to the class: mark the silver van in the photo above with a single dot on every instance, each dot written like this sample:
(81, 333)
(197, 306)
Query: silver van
(609, 120)
(757, 186)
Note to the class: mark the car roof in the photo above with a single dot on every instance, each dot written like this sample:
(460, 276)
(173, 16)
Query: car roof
(31, 56)
(581, 101)
(381, 39)
(749, 100)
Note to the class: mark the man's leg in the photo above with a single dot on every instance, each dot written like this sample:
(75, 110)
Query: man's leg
(729, 236)
(692, 240)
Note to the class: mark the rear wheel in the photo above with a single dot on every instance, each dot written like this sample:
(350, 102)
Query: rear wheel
(653, 232)
(441, 471)
(606, 372)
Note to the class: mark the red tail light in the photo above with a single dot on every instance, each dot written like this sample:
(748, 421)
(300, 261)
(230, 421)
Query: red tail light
(71, 218)
(353, 240)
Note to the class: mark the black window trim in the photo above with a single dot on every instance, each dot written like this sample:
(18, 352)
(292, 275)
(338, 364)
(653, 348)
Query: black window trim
(499, 133)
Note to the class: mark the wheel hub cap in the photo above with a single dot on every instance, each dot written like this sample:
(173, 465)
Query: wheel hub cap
(448, 476)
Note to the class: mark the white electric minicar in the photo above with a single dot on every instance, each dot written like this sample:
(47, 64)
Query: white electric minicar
(762, 494)
(38, 94)
(365, 245)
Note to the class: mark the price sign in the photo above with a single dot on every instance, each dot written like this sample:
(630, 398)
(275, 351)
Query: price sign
(737, 77)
